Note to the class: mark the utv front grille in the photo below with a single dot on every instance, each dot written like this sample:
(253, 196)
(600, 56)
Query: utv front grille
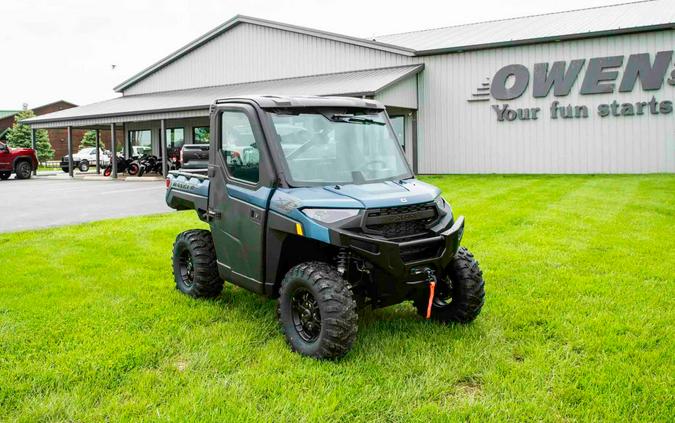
(422, 252)
(400, 221)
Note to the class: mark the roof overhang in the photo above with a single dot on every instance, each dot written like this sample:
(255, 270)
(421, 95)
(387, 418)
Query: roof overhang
(541, 40)
(260, 22)
(196, 102)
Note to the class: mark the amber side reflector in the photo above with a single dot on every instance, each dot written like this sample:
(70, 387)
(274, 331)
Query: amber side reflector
(298, 229)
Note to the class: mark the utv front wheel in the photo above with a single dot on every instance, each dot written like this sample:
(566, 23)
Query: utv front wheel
(317, 311)
(194, 264)
(460, 297)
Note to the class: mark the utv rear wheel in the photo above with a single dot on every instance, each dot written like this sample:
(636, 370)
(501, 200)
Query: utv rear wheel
(23, 170)
(460, 297)
(5, 175)
(194, 264)
(317, 311)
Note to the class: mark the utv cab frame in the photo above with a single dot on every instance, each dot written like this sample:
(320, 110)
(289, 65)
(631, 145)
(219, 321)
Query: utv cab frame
(310, 200)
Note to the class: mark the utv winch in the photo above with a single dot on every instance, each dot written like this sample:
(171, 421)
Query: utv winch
(310, 200)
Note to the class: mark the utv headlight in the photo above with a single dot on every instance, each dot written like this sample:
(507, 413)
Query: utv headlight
(330, 215)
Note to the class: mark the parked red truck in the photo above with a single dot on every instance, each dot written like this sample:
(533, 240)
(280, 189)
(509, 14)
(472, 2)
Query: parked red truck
(21, 161)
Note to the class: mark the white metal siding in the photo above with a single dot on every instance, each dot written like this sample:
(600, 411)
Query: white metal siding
(250, 52)
(402, 94)
(456, 136)
(549, 25)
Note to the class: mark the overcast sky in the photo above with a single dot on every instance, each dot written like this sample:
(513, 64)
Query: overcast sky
(65, 49)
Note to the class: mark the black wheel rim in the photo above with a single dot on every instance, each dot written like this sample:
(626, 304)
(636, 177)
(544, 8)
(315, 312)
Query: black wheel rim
(306, 315)
(187, 268)
(24, 170)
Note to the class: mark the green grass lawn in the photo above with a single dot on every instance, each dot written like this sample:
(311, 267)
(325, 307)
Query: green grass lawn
(579, 322)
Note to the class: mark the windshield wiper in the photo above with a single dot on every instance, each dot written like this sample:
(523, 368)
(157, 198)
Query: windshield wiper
(352, 118)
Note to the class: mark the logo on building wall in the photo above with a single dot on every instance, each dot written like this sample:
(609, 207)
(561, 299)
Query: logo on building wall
(598, 75)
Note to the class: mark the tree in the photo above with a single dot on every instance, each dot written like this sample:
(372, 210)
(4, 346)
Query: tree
(89, 140)
(19, 136)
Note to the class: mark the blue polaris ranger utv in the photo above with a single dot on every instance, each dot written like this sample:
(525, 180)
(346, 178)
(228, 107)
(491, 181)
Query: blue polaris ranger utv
(310, 200)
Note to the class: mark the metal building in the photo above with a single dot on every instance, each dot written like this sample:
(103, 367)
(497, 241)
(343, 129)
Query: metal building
(584, 91)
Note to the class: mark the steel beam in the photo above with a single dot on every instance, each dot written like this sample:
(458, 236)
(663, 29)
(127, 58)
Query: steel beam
(126, 141)
(70, 151)
(114, 151)
(162, 147)
(98, 152)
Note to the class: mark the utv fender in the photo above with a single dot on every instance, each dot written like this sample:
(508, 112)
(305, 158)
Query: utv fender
(286, 246)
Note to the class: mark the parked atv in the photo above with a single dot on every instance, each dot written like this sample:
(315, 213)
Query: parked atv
(327, 223)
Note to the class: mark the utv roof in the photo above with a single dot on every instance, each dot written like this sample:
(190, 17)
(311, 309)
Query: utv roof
(283, 101)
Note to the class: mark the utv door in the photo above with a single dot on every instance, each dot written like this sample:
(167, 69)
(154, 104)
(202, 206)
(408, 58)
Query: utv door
(239, 189)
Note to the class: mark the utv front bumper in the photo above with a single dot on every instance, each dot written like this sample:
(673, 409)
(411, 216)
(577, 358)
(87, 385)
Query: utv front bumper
(404, 260)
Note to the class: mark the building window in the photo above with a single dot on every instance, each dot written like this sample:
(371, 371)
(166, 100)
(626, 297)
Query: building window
(140, 142)
(200, 135)
(175, 138)
(238, 147)
(398, 124)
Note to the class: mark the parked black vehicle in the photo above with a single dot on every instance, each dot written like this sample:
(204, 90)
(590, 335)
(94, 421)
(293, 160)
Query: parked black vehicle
(122, 166)
(194, 156)
(150, 164)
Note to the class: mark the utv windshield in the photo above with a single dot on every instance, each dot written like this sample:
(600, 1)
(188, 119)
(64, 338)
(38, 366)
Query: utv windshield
(328, 147)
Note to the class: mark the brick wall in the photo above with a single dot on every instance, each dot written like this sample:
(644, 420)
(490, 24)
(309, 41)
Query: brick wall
(58, 137)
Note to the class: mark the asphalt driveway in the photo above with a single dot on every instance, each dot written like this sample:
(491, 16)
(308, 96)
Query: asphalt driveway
(46, 201)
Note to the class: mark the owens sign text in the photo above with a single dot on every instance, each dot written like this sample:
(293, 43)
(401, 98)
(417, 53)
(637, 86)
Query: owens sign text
(598, 75)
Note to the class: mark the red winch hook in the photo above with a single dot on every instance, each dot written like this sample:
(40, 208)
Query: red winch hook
(432, 288)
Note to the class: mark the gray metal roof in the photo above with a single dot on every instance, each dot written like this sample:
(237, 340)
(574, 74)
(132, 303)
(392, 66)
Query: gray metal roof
(597, 21)
(277, 101)
(367, 82)
(238, 19)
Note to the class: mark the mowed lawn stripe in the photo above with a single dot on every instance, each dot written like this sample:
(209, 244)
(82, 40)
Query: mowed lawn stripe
(577, 324)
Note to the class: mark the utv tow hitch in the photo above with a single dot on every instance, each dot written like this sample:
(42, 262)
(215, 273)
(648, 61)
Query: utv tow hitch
(431, 280)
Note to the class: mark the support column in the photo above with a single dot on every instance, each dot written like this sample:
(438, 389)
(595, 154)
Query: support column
(112, 145)
(70, 151)
(33, 143)
(162, 147)
(98, 152)
(126, 141)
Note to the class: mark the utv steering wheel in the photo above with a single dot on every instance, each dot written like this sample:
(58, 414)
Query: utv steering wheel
(372, 162)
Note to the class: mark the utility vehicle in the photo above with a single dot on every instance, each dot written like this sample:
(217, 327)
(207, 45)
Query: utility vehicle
(310, 200)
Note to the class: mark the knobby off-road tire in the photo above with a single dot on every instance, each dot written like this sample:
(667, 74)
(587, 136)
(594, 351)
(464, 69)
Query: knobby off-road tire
(460, 300)
(23, 170)
(5, 175)
(316, 291)
(194, 264)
